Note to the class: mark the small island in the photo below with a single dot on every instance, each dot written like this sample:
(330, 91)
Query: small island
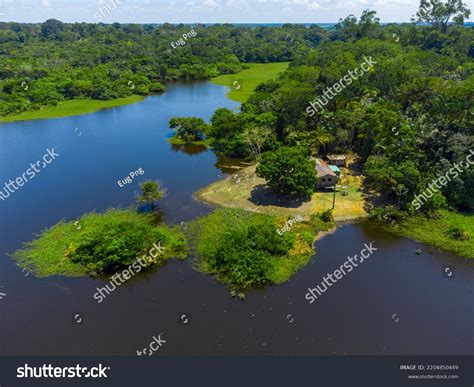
(102, 245)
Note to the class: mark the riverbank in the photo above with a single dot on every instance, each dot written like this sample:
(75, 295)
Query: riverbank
(449, 231)
(247, 191)
(71, 107)
(243, 84)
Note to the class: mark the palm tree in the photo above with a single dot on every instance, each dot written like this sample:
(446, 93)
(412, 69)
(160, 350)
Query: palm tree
(318, 138)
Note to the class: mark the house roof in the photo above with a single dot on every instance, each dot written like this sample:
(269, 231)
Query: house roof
(335, 168)
(336, 157)
(322, 169)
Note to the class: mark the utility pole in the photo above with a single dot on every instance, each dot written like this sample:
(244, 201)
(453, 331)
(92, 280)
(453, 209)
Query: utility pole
(334, 197)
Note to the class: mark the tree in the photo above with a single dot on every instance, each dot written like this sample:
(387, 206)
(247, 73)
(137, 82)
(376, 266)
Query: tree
(256, 139)
(225, 124)
(317, 138)
(289, 171)
(439, 14)
(391, 178)
(152, 191)
(51, 29)
(189, 129)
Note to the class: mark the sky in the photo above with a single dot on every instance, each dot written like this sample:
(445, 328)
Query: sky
(205, 11)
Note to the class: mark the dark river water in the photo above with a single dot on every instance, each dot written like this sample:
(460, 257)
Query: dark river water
(396, 302)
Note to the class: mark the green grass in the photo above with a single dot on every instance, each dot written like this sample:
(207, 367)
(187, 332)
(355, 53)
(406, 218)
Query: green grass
(206, 234)
(50, 253)
(249, 79)
(234, 193)
(438, 231)
(71, 108)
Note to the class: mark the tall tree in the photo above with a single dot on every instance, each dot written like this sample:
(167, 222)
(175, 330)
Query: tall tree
(289, 171)
(439, 14)
(256, 138)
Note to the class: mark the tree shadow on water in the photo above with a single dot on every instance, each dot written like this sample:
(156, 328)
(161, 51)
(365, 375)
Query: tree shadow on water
(157, 214)
(263, 195)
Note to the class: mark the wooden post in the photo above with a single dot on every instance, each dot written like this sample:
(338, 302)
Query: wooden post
(334, 197)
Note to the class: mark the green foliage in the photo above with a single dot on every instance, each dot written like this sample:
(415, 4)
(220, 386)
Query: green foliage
(71, 108)
(244, 250)
(62, 61)
(225, 124)
(327, 217)
(435, 203)
(322, 221)
(99, 244)
(157, 87)
(439, 231)
(152, 191)
(409, 119)
(189, 129)
(387, 213)
(459, 234)
(114, 247)
(385, 176)
(439, 14)
(289, 171)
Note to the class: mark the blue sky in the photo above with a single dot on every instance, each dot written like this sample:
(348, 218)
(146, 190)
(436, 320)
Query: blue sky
(212, 11)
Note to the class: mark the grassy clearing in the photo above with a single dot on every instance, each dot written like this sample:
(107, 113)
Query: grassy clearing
(71, 108)
(246, 190)
(439, 231)
(247, 80)
(117, 237)
(258, 254)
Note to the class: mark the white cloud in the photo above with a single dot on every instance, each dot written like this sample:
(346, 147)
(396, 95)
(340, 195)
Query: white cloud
(211, 11)
(209, 3)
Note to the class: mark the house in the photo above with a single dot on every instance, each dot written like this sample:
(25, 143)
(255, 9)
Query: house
(326, 177)
(336, 170)
(338, 160)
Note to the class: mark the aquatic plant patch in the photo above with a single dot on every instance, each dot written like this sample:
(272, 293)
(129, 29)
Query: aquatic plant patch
(243, 249)
(99, 244)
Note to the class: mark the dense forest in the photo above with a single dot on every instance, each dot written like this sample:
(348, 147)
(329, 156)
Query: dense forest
(409, 118)
(41, 64)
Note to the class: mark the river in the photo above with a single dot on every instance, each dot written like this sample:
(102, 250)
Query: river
(396, 303)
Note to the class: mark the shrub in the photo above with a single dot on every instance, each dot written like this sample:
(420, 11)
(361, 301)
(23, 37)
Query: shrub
(326, 216)
(460, 234)
(157, 87)
(387, 214)
(239, 247)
